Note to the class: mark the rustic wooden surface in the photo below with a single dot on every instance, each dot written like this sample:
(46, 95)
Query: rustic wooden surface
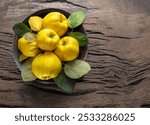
(119, 54)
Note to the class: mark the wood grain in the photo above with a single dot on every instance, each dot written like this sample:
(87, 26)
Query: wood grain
(119, 54)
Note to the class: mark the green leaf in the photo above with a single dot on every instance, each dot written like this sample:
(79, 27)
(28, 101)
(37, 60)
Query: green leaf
(65, 83)
(76, 69)
(76, 19)
(20, 29)
(30, 37)
(26, 71)
(82, 38)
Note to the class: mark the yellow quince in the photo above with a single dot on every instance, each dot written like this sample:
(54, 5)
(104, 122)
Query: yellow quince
(57, 22)
(35, 23)
(29, 49)
(47, 39)
(67, 49)
(46, 66)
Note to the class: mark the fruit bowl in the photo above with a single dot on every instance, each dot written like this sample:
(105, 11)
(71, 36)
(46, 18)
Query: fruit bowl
(39, 83)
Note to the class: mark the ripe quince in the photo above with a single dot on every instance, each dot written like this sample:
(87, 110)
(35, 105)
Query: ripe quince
(57, 22)
(67, 49)
(47, 39)
(22, 57)
(35, 23)
(29, 49)
(46, 66)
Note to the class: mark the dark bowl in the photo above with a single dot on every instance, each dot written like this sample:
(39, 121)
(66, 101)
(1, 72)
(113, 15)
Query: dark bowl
(42, 13)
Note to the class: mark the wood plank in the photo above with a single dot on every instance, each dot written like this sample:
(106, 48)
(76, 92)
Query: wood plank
(119, 54)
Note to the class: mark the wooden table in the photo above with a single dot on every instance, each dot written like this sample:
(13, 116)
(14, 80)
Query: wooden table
(119, 54)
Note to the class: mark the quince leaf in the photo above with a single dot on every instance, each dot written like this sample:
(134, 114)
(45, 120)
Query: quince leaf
(65, 83)
(30, 37)
(76, 19)
(26, 71)
(76, 69)
(81, 38)
(20, 29)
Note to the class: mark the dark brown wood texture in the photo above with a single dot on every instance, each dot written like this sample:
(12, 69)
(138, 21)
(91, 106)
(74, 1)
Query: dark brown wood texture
(119, 54)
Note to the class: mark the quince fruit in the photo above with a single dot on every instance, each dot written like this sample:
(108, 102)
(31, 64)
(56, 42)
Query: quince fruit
(35, 23)
(57, 22)
(46, 66)
(47, 39)
(29, 49)
(67, 49)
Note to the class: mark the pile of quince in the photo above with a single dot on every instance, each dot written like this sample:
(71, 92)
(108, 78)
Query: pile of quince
(49, 44)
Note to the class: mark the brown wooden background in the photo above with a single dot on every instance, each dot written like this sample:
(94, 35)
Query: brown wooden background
(119, 54)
